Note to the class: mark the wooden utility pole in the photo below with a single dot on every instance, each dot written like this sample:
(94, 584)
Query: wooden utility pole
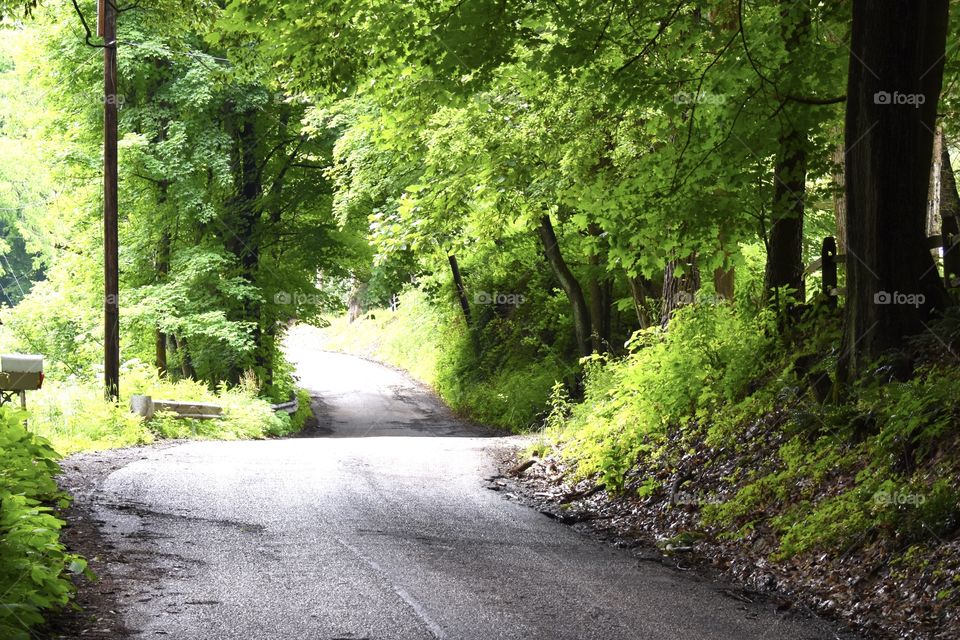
(107, 20)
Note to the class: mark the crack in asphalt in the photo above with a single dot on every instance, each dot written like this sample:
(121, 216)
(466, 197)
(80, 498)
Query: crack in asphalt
(418, 609)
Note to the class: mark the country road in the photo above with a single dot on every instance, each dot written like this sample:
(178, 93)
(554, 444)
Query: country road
(380, 526)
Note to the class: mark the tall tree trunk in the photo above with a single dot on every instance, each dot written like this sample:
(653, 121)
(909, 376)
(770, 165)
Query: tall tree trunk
(639, 290)
(897, 53)
(569, 284)
(244, 226)
(163, 269)
(785, 244)
(599, 297)
(724, 280)
(950, 217)
(461, 290)
(171, 351)
(268, 322)
(186, 362)
(681, 282)
(934, 224)
(840, 198)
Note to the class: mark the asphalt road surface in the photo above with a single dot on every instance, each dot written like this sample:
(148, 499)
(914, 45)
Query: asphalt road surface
(381, 527)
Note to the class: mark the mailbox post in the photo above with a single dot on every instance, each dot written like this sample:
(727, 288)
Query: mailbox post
(19, 374)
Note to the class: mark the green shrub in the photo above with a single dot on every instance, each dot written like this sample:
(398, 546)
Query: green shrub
(670, 380)
(34, 565)
(304, 410)
(75, 417)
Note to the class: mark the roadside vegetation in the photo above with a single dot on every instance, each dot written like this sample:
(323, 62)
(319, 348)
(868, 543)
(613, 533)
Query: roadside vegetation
(205, 302)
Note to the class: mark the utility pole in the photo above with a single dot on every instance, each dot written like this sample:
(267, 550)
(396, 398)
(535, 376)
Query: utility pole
(107, 21)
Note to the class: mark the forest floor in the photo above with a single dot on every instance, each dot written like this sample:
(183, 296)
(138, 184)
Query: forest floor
(871, 590)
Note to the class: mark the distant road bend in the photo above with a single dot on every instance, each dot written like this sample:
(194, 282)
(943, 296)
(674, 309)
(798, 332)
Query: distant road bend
(381, 528)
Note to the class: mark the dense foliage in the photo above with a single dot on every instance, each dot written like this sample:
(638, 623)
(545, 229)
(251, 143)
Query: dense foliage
(35, 568)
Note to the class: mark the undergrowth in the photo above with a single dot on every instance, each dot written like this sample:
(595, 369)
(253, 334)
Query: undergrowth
(815, 475)
(74, 416)
(500, 375)
(35, 568)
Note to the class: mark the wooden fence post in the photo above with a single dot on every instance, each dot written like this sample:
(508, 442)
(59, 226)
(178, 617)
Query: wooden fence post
(828, 267)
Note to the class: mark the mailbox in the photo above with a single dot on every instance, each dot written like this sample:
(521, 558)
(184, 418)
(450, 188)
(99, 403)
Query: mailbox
(20, 373)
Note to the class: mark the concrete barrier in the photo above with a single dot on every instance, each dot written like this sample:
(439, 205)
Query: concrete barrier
(148, 407)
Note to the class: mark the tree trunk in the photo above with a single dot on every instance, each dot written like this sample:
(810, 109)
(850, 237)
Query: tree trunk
(785, 244)
(246, 209)
(840, 198)
(934, 190)
(186, 363)
(723, 282)
(679, 290)
(461, 290)
(355, 303)
(639, 288)
(163, 269)
(569, 284)
(599, 298)
(950, 217)
(896, 62)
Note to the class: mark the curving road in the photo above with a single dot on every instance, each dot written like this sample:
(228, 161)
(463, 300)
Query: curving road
(381, 527)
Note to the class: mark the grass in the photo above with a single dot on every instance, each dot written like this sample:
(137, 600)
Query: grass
(74, 416)
(508, 387)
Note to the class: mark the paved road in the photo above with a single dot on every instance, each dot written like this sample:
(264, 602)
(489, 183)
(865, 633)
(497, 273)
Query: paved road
(383, 529)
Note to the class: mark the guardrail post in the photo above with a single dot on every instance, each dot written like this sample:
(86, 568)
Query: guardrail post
(828, 268)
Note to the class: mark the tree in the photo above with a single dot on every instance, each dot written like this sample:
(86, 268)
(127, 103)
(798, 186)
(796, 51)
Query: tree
(896, 69)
